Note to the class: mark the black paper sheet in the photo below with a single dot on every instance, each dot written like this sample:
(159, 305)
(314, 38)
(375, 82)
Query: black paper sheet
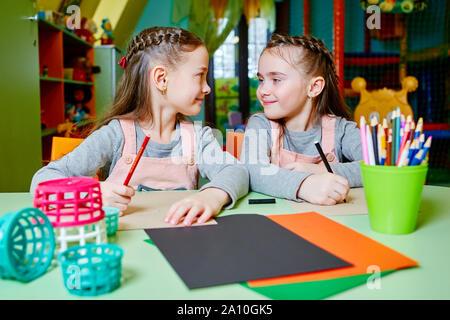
(241, 247)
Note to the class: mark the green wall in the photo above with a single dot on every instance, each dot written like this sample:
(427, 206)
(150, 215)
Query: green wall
(20, 131)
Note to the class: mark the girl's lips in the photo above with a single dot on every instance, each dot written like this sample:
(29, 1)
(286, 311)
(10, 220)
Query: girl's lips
(266, 103)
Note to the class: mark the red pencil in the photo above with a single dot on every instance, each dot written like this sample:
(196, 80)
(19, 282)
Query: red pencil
(138, 157)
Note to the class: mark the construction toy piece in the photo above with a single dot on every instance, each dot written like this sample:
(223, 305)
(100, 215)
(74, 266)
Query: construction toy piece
(70, 202)
(27, 244)
(91, 270)
(80, 235)
(111, 220)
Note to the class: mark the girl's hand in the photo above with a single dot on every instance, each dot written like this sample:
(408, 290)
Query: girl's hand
(306, 167)
(324, 189)
(204, 205)
(116, 195)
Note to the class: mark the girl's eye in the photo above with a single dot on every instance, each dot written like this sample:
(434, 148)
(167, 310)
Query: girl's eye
(260, 80)
(276, 80)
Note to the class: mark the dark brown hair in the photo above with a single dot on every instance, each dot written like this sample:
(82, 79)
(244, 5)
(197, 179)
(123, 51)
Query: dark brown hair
(165, 45)
(314, 59)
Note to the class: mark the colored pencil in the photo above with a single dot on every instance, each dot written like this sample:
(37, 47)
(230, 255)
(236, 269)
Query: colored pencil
(322, 155)
(362, 128)
(373, 124)
(383, 157)
(394, 132)
(418, 130)
(385, 127)
(388, 148)
(402, 157)
(397, 134)
(382, 142)
(404, 137)
(412, 151)
(421, 140)
(426, 148)
(136, 161)
(417, 158)
(370, 145)
(411, 131)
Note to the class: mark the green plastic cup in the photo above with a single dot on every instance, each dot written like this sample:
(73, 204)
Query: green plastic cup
(393, 196)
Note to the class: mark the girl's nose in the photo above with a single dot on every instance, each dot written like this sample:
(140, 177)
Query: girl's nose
(206, 89)
(263, 90)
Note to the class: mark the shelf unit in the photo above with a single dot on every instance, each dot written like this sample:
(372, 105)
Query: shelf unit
(57, 47)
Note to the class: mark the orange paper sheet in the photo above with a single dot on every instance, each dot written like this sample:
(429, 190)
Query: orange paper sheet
(341, 241)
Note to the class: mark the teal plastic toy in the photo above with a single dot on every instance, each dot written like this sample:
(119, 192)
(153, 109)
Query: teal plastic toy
(27, 244)
(92, 269)
(111, 220)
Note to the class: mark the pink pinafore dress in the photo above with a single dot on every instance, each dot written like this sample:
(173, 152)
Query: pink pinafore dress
(281, 157)
(158, 173)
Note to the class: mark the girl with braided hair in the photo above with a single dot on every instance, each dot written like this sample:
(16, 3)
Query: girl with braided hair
(298, 89)
(163, 81)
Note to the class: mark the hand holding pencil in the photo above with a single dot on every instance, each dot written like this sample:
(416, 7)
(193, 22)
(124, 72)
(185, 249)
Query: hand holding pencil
(119, 196)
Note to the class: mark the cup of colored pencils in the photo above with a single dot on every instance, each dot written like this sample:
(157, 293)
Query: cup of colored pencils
(393, 170)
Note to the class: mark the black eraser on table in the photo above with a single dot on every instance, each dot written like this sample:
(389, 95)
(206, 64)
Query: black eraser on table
(240, 247)
(261, 201)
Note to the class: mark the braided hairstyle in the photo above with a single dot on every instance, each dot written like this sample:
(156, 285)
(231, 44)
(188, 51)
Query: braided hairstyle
(152, 46)
(313, 59)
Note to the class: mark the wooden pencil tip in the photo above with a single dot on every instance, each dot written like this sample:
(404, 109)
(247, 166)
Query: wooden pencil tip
(374, 121)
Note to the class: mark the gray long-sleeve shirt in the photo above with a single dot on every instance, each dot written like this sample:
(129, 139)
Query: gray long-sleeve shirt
(283, 183)
(103, 148)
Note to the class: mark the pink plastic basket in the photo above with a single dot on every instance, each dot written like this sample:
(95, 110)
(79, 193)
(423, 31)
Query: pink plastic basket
(70, 202)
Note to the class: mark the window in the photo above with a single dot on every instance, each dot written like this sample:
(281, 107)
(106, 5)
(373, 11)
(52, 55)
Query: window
(225, 56)
(257, 40)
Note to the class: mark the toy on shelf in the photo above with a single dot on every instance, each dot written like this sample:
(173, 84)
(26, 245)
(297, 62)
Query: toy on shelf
(75, 109)
(87, 30)
(99, 268)
(80, 69)
(27, 244)
(44, 71)
(396, 6)
(68, 129)
(107, 37)
(74, 207)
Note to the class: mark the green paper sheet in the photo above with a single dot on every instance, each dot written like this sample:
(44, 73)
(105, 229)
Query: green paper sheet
(312, 290)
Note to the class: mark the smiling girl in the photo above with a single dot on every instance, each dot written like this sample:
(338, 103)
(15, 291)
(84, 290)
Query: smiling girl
(163, 81)
(298, 89)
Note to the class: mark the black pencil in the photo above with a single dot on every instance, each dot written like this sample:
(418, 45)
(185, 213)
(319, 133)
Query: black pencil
(374, 125)
(322, 155)
(324, 159)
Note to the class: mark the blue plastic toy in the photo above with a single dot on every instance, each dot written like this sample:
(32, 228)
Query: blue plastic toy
(111, 220)
(92, 269)
(27, 244)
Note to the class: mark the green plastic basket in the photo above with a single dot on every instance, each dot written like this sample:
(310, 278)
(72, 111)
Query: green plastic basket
(27, 244)
(92, 269)
(111, 220)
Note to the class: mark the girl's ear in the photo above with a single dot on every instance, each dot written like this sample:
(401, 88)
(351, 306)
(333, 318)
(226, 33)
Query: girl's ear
(316, 85)
(159, 78)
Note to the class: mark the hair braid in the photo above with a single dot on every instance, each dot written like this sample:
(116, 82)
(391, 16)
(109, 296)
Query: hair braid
(315, 59)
